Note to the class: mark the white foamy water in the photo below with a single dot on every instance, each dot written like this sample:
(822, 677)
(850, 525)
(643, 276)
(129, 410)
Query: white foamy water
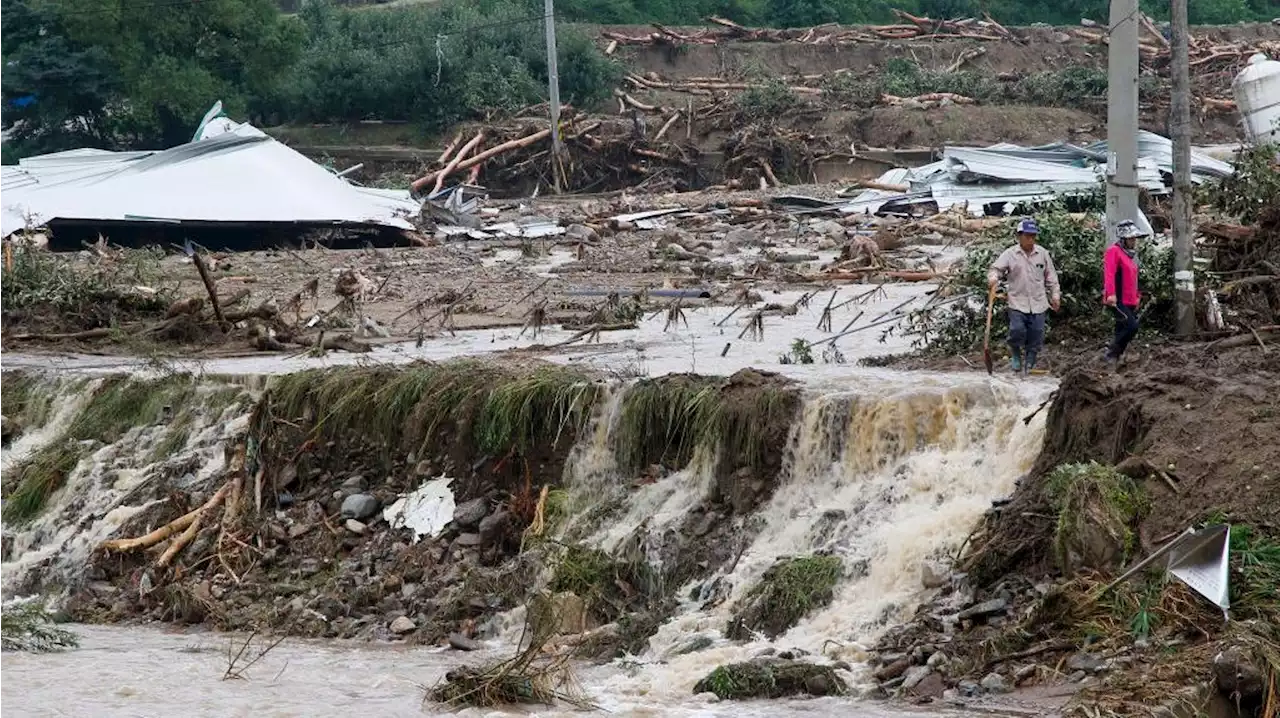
(142, 671)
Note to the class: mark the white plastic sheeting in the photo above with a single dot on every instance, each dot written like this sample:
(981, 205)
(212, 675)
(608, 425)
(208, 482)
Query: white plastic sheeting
(231, 173)
(427, 510)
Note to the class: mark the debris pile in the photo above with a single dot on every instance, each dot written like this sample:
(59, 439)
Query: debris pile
(911, 28)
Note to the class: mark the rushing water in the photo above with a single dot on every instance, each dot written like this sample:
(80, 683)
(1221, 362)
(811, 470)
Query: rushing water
(887, 470)
(132, 672)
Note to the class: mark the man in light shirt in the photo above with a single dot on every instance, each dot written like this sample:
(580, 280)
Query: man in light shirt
(1032, 283)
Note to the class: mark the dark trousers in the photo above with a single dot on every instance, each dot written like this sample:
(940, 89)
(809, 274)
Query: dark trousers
(1126, 330)
(1026, 333)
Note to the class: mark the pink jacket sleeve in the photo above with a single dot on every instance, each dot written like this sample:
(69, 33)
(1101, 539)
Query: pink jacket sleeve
(1109, 263)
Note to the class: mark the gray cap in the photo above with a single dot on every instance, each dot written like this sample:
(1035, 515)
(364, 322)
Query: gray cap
(1127, 229)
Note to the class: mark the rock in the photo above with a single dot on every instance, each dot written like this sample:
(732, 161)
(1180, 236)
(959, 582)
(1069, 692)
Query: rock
(356, 527)
(494, 527)
(467, 540)
(821, 684)
(951, 695)
(299, 529)
(707, 697)
(931, 576)
(571, 611)
(459, 642)
(581, 233)
(968, 688)
(981, 610)
(931, 687)
(355, 484)
(409, 590)
(893, 670)
(359, 507)
(739, 238)
(309, 566)
(1077, 677)
(938, 661)
(468, 514)
(995, 683)
(829, 227)
(402, 625)
(1024, 673)
(1236, 673)
(914, 675)
(1086, 662)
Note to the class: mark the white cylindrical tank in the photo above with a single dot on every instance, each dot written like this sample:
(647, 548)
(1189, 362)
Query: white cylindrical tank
(1257, 91)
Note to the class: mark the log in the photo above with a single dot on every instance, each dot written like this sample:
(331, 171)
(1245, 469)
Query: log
(179, 543)
(179, 524)
(341, 342)
(453, 164)
(448, 151)
(666, 126)
(100, 333)
(613, 45)
(208, 285)
(883, 187)
(492, 151)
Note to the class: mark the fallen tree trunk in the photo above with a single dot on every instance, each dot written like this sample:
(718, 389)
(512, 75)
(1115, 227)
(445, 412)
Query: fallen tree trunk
(179, 524)
(492, 151)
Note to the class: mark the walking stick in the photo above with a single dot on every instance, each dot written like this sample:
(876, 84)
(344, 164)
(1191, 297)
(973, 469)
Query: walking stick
(986, 340)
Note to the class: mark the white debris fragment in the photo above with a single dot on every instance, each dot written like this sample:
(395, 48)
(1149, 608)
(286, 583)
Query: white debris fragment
(427, 510)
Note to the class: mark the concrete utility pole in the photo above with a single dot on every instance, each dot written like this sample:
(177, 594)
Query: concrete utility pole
(1180, 133)
(1122, 115)
(553, 81)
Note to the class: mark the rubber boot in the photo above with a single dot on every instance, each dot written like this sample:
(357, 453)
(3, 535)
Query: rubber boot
(1029, 363)
(1015, 360)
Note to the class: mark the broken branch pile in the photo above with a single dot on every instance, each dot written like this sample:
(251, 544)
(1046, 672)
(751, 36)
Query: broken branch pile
(911, 28)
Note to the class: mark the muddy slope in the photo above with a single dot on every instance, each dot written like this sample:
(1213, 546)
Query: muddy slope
(1212, 424)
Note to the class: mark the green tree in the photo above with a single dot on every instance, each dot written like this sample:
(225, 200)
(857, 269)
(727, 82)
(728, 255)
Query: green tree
(152, 69)
(801, 13)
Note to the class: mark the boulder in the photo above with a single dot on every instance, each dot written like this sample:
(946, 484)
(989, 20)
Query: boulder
(1237, 675)
(468, 514)
(995, 683)
(359, 507)
(459, 642)
(402, 625)
(914, 675)
(994, 607)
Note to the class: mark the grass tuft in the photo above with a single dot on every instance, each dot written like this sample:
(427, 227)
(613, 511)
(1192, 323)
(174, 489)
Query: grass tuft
(25, 625)
(38, 478)
(771, 678)
(1097, 509)
(666, 420)
(788, 591)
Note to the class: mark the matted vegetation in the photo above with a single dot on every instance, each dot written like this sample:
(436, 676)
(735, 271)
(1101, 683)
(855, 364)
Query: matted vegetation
(771, 678)
(25, 625)
(495, 408)
(73, 294)
(532, 676)
(787, 592)
(610, 588)
(1097, 509)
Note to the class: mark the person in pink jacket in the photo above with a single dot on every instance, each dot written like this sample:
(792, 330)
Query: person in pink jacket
(1120, 287)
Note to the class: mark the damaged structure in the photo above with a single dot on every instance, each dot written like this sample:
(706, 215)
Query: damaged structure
(232, 186)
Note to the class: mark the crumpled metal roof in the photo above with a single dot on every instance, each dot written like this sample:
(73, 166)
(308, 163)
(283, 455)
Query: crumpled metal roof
(1010, 174)
(231, 173)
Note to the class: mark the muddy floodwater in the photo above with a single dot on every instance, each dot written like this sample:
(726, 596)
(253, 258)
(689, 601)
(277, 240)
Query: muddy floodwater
(120, 672)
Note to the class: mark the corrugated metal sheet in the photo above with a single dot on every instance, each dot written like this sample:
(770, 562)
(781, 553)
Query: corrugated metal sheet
(233, 173)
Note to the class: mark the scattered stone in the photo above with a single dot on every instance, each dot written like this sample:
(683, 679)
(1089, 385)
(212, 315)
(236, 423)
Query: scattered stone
(297, 530)
(467, 540)
(409, 590)
(995, 683)
(1086, 662)
(893, 670)
(468, 514)
(1024, 673)
(707, 697)
(829, 227)
(459, 642)
(402, 625)
(356, 527)
(494, 526)
(1077, 677)
(969, 688)
(359, 507)
(356, 484)
(933, 686)
(981, 610)
(951, 695)
(693, 645)
(1236, 673)
(581, 233)
(938, 661)
(914, 675)
(738, 238)
(931, 576)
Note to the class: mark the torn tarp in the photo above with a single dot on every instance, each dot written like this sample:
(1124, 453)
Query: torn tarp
(232, 173)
